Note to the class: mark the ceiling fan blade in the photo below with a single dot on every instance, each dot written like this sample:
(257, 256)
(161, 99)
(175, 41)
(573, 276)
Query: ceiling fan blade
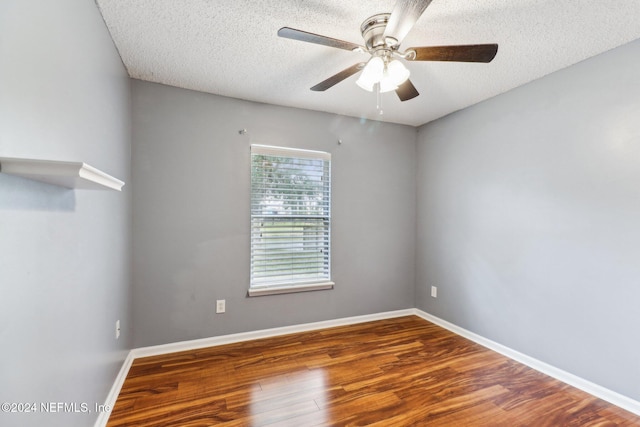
(303, 36)
(407, 91)
(337, 78)
(461, 53)
(403, 17)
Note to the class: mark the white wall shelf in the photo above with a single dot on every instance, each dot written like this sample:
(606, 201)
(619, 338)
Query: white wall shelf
(65, 174)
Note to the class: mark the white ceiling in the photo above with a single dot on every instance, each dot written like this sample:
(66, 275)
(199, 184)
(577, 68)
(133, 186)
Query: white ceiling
(231, 48)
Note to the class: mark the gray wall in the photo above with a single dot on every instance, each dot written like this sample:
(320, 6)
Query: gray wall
(529, 219)
(64, 254)
(191, 214)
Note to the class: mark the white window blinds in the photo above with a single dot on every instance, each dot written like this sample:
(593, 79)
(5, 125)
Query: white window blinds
(290, 218)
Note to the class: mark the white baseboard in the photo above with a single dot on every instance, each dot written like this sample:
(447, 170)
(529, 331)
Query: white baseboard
(593, 389)
(265, 333)
(573, 380)
(103, 417)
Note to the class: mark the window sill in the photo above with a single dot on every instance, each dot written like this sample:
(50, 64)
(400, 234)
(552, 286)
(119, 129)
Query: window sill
(290, 289)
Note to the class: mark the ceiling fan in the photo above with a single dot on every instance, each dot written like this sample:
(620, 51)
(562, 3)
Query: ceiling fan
(383, 33)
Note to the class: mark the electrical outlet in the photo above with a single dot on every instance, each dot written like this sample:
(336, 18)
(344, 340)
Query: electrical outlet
(434, 292)
(117, 329)
(220, 306)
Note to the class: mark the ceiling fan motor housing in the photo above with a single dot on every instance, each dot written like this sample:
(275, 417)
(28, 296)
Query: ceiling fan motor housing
(372, 30)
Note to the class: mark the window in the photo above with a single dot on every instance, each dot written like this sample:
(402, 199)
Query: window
(290, 220)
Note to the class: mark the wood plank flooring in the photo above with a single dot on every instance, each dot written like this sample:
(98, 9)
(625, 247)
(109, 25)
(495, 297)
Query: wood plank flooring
(396, 372)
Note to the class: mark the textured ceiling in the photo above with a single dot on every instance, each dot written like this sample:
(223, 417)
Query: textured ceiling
(231, 48)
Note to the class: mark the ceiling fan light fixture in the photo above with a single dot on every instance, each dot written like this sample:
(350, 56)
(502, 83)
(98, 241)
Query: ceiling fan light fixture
(372, 73)
(387, 85)
(389, 75)
(397, 72)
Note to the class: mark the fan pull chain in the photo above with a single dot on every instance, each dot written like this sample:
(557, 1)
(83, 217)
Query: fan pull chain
(379, 99)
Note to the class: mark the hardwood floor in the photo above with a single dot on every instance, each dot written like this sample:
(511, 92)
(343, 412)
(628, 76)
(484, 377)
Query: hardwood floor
(396, 372)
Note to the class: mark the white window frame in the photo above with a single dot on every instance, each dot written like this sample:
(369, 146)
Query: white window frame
(259, 284)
